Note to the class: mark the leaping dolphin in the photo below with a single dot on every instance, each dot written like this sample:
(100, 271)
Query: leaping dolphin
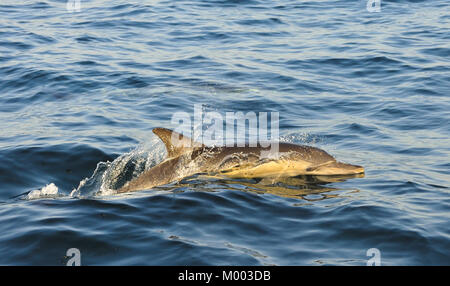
(186, 158)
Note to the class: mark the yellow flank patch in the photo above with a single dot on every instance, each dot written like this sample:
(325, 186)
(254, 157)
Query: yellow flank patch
(269, 169)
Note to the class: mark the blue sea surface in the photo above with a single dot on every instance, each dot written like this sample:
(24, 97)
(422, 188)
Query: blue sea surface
(81, 88)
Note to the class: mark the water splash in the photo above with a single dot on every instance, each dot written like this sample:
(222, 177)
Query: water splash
(49, 191)
(110, 176)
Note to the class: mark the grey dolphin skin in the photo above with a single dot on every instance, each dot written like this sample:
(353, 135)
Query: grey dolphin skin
(186, 158)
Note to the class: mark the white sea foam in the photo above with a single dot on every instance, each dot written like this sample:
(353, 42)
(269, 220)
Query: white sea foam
(50, 190)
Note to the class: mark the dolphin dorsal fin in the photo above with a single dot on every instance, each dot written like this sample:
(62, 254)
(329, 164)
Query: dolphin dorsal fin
(176, 143)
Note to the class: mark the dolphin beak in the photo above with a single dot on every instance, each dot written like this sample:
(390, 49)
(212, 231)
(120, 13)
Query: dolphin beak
(337, 168)
(349, 169)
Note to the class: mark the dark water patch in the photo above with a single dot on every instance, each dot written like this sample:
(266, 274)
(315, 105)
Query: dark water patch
(417, 151)
(62, 164)
(133, 82)
(260, 22)
(393, 111)
(40, 5)
(15, 45)
(192, 62)
(374, 67)
(141, 24)
(364, 129)
(135, 65)
(138, 10)
(377, 62)
(88, 63)
(88, 39)
(440, 52)
(443, 168)
(21, 80)
(123, 6)
(42, 39)
(207, 36)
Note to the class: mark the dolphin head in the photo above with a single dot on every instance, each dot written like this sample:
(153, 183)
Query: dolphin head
(335, 168)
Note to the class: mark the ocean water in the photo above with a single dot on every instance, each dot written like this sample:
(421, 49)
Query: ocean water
(81, 89)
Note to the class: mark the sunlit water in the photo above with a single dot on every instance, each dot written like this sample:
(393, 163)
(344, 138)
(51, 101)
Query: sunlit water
(81, 91)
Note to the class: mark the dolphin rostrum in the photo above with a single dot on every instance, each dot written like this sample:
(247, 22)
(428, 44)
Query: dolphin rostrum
(186, 158)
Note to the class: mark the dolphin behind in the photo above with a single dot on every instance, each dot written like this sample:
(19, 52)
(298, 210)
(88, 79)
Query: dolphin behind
(186, 158)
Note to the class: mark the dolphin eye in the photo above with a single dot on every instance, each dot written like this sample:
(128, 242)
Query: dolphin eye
(309, 169)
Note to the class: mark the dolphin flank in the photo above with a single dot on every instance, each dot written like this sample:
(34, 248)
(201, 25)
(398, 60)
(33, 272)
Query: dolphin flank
(186, 158)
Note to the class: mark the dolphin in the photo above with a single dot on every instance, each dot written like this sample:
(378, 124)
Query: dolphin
(186, 158)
